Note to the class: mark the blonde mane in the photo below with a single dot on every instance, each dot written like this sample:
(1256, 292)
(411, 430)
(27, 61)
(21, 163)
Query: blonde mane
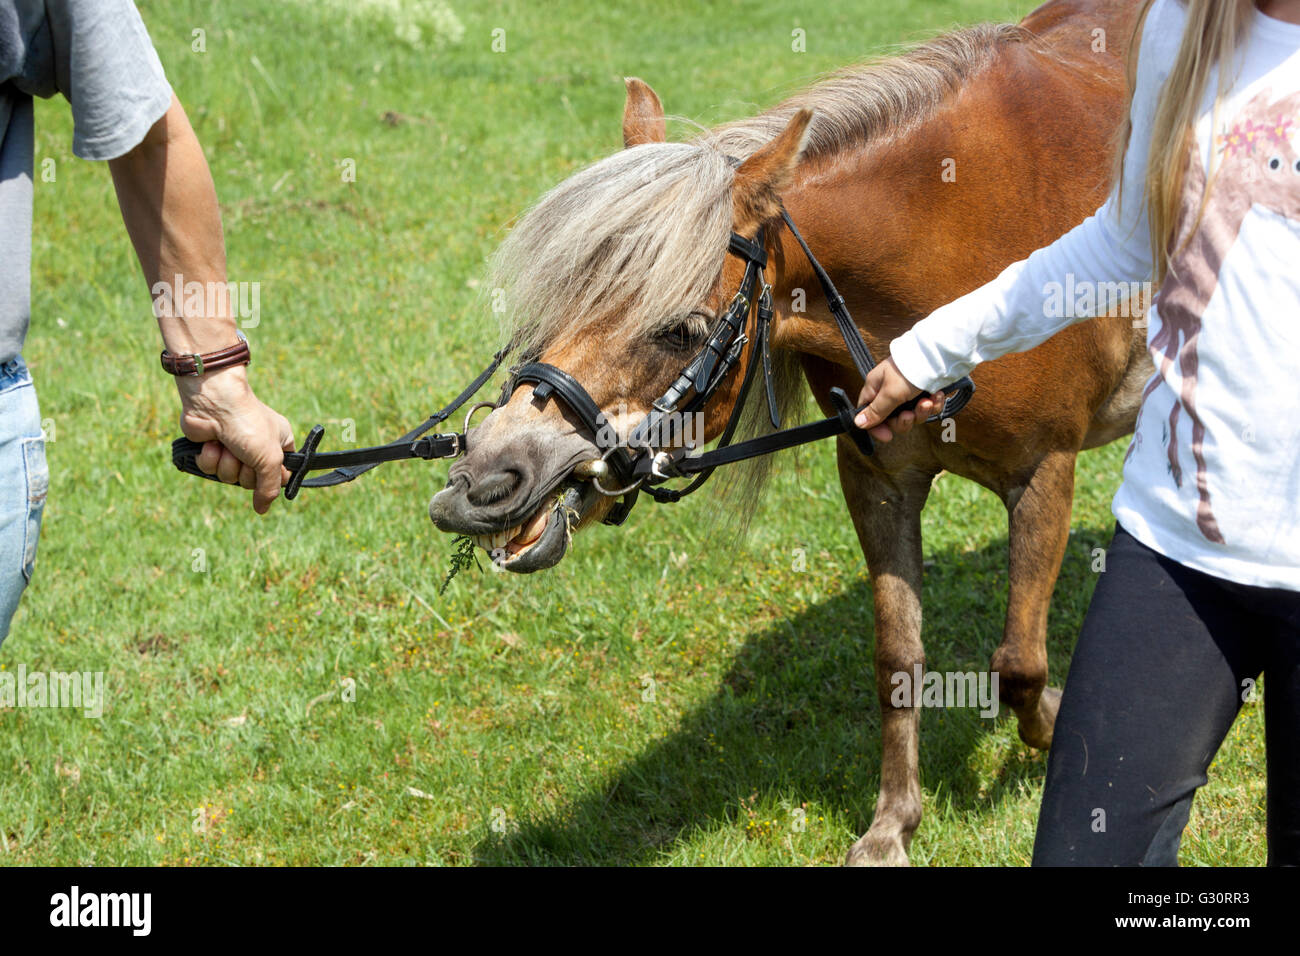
(638, 238)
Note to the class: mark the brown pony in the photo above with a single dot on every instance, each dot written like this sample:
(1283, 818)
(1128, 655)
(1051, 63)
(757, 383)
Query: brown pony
(914, 179)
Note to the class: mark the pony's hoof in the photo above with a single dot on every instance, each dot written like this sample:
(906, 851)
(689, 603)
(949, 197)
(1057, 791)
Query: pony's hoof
(1036, 731)
(876, 851)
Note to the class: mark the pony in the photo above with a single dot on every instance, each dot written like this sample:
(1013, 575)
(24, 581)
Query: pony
(914, 178)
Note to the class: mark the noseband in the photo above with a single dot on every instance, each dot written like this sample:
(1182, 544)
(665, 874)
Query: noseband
(643, 460)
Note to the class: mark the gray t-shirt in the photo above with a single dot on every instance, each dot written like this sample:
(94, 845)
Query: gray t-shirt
(97, 53)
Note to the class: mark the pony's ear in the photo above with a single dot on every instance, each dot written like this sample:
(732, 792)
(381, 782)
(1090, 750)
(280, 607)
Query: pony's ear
(760, 180)
(643, 115)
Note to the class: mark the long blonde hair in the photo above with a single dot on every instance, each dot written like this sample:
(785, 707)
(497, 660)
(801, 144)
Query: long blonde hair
(1213, 32)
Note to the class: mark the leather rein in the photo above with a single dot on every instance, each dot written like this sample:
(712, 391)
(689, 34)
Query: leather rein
(641, 462)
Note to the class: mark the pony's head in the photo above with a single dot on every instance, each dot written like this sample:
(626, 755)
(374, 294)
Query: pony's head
(615, 276)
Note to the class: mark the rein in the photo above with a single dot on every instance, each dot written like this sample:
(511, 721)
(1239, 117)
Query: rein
(640, 462)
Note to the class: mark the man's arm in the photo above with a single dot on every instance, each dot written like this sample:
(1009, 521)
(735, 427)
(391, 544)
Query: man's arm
(169, 206)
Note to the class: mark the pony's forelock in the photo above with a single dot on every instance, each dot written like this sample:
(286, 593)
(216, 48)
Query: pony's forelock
(638, 239)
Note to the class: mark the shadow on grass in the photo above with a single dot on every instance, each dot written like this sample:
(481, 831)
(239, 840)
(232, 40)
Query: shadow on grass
(795, 719)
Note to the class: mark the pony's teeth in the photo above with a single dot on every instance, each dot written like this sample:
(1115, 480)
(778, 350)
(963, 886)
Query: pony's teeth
(500, 539)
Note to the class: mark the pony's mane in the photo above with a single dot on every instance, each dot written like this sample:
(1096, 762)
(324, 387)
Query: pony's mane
(639, 238)
(884, 97)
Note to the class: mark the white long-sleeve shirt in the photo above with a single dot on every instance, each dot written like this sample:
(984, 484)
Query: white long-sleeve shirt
(1212, 476)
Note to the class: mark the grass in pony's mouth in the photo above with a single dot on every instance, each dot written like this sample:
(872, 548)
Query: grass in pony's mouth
(462, 556)
(463, 546)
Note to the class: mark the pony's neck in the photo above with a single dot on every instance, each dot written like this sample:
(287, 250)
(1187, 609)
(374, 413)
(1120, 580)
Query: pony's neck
(831, 204)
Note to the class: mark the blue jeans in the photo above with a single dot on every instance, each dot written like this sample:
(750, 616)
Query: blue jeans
(24, 480)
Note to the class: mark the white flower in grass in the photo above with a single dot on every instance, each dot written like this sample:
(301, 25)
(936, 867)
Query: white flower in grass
(420, 24)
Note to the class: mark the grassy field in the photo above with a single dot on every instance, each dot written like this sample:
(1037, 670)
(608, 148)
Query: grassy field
(308, 697)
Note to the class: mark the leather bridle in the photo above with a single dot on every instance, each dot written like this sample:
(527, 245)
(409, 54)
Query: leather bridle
(644, 459)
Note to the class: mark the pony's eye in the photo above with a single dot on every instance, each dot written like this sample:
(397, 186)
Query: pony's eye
(1295, 167)
(685, 335)
(678, 337)
(1275, 163)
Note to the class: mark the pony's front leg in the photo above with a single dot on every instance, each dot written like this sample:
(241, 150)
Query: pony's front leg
(886, 510)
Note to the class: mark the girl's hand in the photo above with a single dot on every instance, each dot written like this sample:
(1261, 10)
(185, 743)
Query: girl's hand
(884, 390)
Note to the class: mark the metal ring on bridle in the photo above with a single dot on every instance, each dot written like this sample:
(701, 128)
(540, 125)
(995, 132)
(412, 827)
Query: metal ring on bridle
(470, 414)
(622, 491)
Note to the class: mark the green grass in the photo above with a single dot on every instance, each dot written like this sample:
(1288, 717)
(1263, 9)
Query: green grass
(512, 699)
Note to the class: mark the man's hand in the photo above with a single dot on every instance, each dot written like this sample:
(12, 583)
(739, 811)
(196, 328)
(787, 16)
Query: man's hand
(169, 206)
(244, 440)
(883, 391)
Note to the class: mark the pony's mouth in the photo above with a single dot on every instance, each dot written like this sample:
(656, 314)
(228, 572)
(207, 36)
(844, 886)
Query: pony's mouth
(542, 539)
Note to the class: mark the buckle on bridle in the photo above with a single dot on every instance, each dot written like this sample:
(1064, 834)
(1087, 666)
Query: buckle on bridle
(733, 352)
(664, 463)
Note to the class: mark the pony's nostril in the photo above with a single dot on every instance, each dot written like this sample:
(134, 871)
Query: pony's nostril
(493, 487)
(454, 479)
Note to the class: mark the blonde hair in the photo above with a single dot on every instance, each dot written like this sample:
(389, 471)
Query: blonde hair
(1213, 33)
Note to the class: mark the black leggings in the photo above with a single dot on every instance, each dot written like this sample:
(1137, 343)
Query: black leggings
(1163, 663)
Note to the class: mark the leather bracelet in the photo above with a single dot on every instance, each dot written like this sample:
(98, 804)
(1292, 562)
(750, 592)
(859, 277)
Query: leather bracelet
(195, 364)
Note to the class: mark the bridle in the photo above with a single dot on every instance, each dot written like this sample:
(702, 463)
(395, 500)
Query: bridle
(644, 459)
(639, 462)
